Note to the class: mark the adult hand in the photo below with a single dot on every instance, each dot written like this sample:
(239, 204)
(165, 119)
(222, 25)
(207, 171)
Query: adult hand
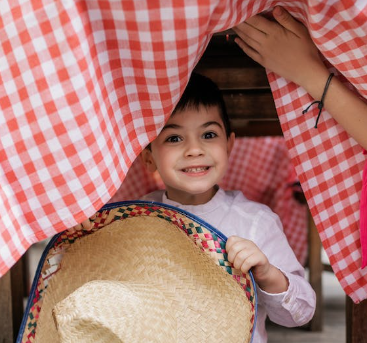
(282, 46)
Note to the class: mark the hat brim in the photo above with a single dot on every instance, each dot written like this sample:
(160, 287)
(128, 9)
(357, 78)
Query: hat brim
(150, 226)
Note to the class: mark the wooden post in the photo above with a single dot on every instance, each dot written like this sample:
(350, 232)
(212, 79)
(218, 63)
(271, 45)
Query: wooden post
(11, 302)
(6, 310)
(315, 273)
(356, 319)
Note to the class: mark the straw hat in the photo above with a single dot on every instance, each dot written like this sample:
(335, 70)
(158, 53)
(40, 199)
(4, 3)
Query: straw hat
(143, 279)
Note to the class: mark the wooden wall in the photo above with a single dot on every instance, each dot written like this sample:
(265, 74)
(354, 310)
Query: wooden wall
(244, 84)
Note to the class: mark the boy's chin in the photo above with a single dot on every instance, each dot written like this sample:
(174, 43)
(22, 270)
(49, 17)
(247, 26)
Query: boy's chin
(193, 197)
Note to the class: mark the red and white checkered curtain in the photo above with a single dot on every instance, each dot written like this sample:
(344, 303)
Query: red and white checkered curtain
(84, 85)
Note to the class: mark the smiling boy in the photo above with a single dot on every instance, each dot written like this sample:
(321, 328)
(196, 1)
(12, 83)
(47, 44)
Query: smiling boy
(191, 155)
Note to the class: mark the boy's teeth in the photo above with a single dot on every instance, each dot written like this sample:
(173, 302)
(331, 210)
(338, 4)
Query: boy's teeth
(195, 170)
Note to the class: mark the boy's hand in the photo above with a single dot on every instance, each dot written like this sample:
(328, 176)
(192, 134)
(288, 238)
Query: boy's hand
(285, 46)
(245, 255)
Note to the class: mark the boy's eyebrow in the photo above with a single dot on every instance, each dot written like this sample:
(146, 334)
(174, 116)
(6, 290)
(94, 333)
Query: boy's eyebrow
(171, 126)
(176, 126)
(212, 123)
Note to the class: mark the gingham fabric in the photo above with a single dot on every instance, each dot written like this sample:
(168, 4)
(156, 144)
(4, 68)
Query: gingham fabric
(84, 85)
(261, 169)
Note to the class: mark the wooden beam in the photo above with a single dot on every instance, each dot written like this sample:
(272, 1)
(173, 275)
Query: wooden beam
(6, 310)
(356, 321)
(233, 75)
(256, 128)
(19, 292)
(12, 293)
(250, 105)
(315, 273)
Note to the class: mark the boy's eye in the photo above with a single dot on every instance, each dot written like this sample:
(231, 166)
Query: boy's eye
(209, 135)
(174, 139)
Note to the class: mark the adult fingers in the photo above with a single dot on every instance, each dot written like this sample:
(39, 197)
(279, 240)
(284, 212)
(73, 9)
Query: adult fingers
(251, 34)
(261, 24)
(288, 22)
(248, 50)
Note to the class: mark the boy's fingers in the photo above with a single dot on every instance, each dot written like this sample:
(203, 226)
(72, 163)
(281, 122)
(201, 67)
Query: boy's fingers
(234, 246)
(232, 240)
(246, 262)
(86, 224)
(287, 21)
(246, 265)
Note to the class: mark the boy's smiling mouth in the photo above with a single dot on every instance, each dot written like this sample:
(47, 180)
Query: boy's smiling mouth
(195, 169)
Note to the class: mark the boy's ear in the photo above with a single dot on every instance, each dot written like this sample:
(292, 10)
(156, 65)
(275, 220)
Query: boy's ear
(148, 161)
(230, 142)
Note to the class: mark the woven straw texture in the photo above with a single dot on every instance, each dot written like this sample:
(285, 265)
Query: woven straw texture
(150, 247)
(133, 312)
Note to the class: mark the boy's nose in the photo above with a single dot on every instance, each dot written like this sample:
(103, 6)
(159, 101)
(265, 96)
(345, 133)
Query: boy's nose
(194, 148)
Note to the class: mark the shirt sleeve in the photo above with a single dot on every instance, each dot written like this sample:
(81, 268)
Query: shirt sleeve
(296, 306)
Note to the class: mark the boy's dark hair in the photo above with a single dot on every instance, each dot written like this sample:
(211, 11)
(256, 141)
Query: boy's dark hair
(202, 91)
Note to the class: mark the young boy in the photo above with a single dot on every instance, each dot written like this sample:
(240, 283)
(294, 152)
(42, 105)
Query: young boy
(191, 155)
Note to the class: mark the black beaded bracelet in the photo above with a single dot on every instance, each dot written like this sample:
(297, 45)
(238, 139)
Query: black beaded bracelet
(320, 103)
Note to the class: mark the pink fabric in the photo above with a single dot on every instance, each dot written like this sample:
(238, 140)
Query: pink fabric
(86, 84)
(363, 216)
(261, 169)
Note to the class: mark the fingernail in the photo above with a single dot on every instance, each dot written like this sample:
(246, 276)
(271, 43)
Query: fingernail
(278, 10)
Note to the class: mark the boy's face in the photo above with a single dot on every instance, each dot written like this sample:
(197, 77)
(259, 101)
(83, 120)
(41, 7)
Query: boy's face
(191, 154)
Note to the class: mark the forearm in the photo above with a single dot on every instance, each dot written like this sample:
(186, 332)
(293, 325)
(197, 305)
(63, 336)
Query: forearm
(343, 105)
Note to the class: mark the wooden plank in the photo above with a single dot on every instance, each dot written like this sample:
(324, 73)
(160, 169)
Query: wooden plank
(6, 313)
(222, 44)
(356, 321)
(235, 77)
(12, 293)
(18, 292)
(250, 105)
(256, 128)
(226, 64)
